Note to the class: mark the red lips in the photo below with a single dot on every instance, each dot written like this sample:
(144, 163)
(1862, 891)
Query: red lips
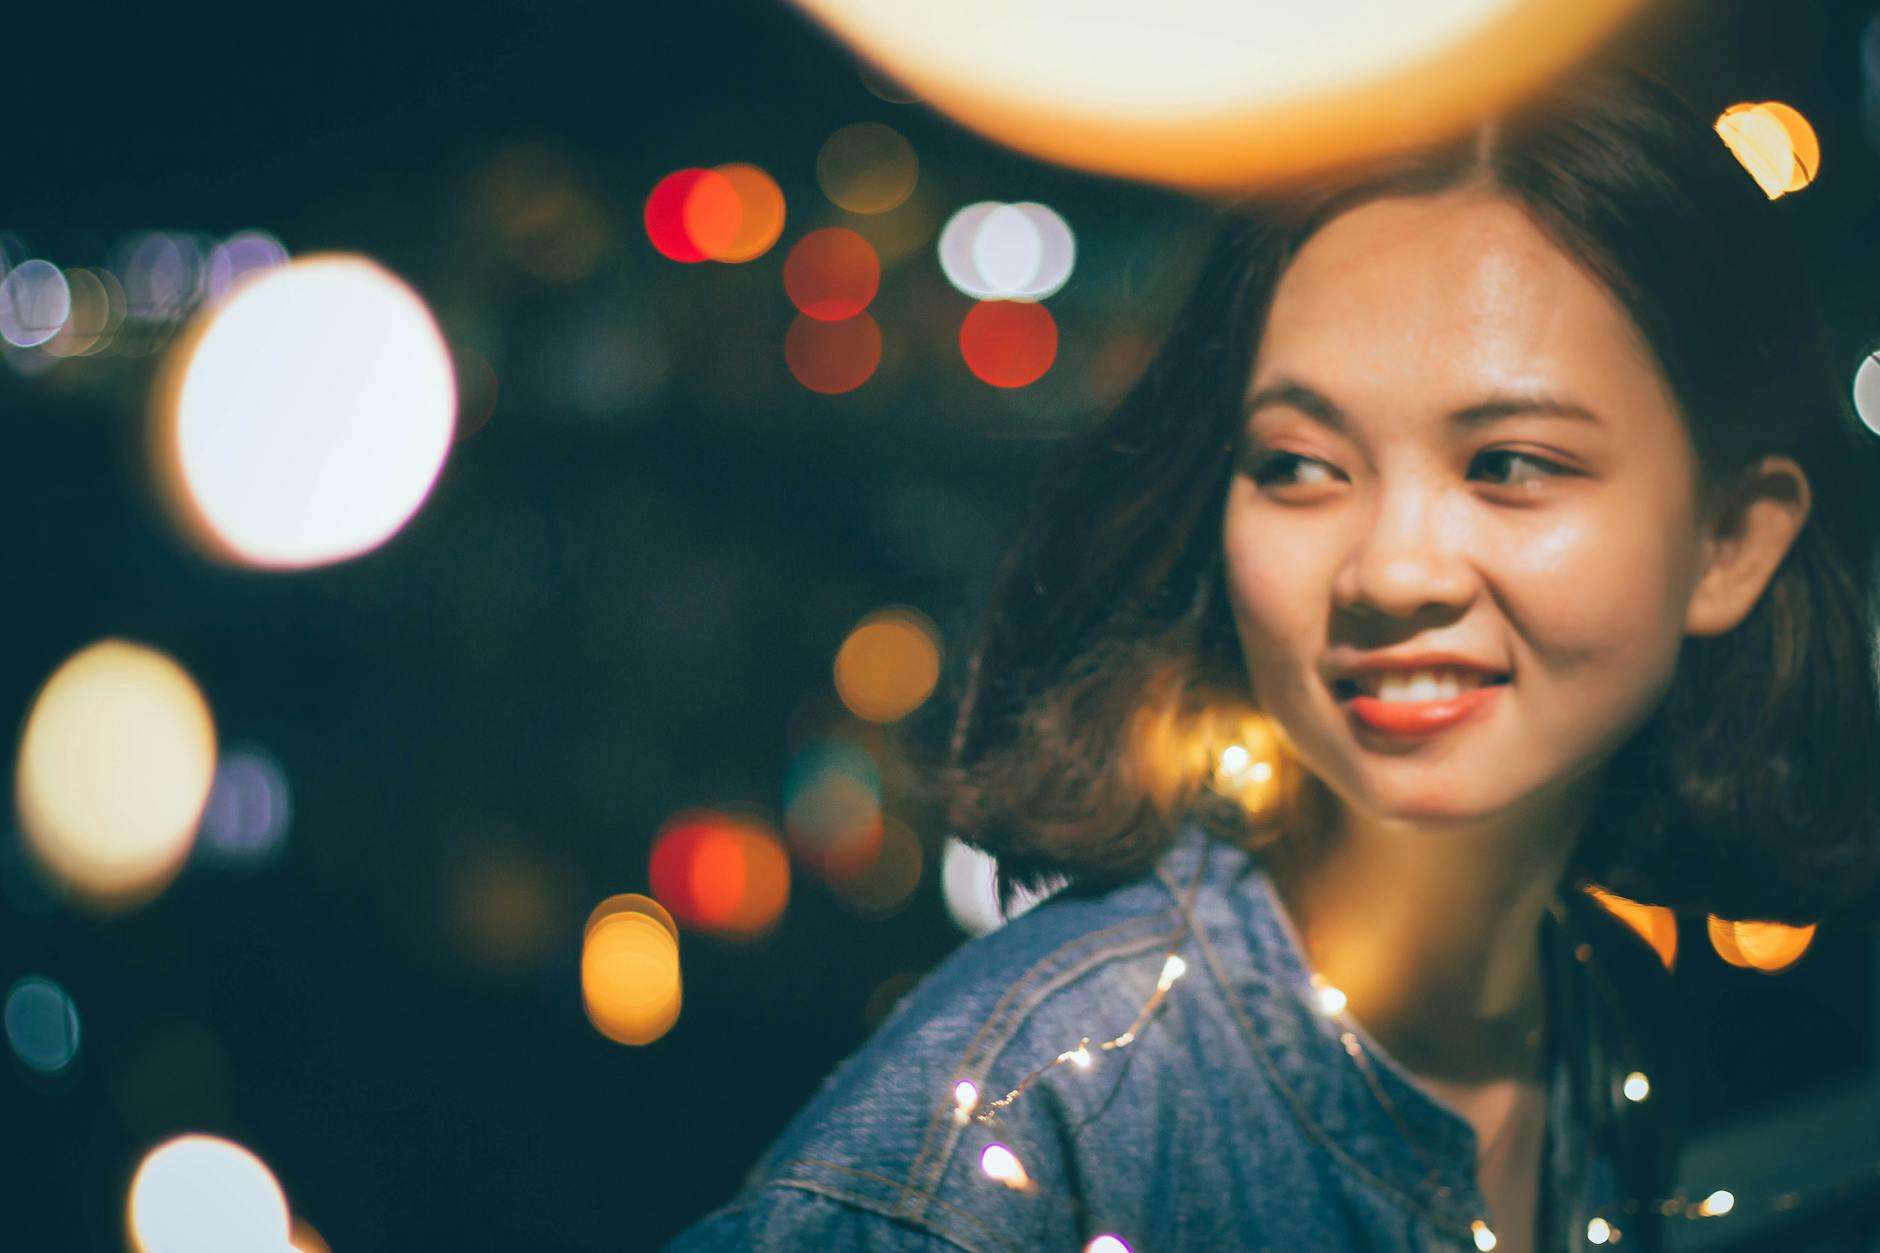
(1421, 717)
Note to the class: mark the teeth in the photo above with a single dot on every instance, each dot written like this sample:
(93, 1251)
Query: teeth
(1419, 685)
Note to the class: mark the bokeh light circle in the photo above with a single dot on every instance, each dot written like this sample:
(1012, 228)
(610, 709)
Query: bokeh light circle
(630, 984)
(887, 882)
(312, 415)
(35, 301)
(720, 873)
(995, 251)
(114, 768)
(888, 665)
(1774, 142)
(832, 808)
(204, 1194)
(1769, 947)
(712, 215)
(41, 1024)
(956, 248)
(1215, 94)
(867, 168)
(1057, 252)
(1008, 343)
(832, 357)
(250, 808)
(1654, 924)
(1008, 250)
(760, 214)
(831, 274)
(1867, 392)
(670, 218)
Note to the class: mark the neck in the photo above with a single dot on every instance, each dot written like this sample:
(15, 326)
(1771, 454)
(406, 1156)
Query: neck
(1433, 934)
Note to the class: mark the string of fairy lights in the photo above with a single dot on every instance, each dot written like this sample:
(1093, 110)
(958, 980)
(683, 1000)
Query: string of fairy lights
(1000, 1162)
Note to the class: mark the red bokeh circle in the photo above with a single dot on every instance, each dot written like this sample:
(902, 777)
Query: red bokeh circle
(832, 274)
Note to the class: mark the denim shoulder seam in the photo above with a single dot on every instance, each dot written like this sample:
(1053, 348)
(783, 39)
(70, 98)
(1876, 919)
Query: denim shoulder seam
(1293, 1102)
(1069, 962)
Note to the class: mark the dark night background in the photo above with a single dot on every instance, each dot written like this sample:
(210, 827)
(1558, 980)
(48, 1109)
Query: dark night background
(621, 600)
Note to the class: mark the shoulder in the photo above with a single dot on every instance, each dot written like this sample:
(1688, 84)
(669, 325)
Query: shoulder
(883, 1144)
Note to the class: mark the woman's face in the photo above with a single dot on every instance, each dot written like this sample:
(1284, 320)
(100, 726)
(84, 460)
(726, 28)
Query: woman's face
(1457, 443)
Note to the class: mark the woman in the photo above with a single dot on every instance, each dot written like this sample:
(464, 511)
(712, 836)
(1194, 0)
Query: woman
(1489, 526)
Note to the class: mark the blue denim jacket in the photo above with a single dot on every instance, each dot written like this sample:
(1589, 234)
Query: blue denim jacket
(1238, 1117)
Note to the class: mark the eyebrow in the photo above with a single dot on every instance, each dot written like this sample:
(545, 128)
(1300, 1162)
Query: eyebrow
(1485, 412)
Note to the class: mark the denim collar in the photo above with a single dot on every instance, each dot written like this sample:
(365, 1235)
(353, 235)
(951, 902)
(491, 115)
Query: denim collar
(1252, 957)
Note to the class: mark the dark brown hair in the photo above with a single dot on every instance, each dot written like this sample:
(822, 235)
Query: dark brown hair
(1108, 673)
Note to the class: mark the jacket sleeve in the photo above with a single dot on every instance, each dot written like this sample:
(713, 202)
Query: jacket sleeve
(786, 1216)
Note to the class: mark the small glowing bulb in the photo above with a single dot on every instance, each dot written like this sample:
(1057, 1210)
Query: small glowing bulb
(1107, 1243)
(1717, 1203)
(1262, 771)
(1001, 1163)
(1172, 969)
(965, 1097)
(1637, 1086)
(1598, 1231)
(1235, 759)
(1484, 1238)
(1331, 1000)
(1080, 1057)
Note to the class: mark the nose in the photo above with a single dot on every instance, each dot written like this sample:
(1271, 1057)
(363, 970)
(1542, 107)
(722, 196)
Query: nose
(1411, 555)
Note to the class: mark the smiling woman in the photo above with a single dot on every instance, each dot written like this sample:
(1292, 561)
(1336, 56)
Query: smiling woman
(1489, 526)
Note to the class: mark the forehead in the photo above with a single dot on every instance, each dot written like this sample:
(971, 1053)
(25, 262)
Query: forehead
(1439, 300)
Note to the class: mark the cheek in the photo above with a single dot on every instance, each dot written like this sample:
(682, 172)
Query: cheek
(1278, 597)
(1599, 603)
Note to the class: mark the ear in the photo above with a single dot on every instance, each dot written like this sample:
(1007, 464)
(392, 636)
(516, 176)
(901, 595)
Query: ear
(1751, 529)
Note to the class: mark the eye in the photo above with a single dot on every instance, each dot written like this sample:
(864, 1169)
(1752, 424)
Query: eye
(1507, 457)
(1276, 469)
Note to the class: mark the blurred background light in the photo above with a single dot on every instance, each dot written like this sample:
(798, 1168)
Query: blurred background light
(505, 902)
(235, 258)
(630, 984)
(1024, 251)
(719, 873)
(1655, 924)
(886, 883)
(114, 767)
(832, 357)
(867, 167)
(1867, 392)
(161, 272)
(41, 1024)
(832, 808)
(671, 216)
(1217, 93)
(35, 301)
(204, 1194)
(249, 809)
(1008, 343)
(1774, 142)
(304, 1239)
(831, 274)
(97, 308)
(310, 414)
(1769, 947)
(958, 245)
(532, 198)
(969, 885)
(758, 219)
(888, 665)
